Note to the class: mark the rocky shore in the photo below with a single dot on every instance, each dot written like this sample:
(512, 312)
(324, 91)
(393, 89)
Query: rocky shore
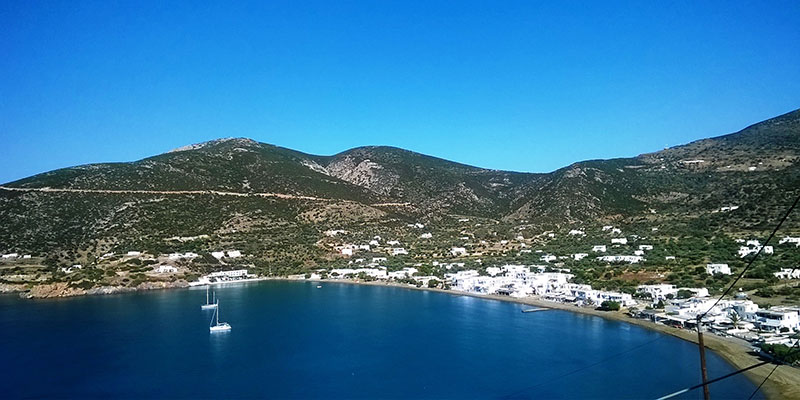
(63, 289)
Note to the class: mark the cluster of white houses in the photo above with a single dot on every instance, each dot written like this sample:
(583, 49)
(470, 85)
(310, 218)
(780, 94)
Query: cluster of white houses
(14, 256)
(739, 317)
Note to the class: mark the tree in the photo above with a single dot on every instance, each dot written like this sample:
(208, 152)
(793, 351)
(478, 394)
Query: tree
(609, 306)
(735, 319)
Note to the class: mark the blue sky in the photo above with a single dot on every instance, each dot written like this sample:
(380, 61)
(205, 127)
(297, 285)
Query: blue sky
(517, 85)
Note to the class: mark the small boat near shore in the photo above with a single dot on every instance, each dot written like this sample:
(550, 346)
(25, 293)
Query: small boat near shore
(210, 304)
(217, 326)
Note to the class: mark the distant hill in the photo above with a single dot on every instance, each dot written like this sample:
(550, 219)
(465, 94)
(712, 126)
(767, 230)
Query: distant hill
(755, 170)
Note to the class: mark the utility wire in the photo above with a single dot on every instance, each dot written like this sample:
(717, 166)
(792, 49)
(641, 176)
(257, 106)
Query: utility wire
(741, 274)
(690, 388)
(785, 357)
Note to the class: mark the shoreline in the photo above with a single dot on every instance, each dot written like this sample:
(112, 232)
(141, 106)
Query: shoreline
(784, 383)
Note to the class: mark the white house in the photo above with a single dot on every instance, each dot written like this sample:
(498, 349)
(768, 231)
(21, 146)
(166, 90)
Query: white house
(746, 250)
(575, 232)
(788, 273)
(347, 251)
(669, 258)
(134, 253)
(599, 248)
(218, 254)
(71, 269)
(166, 269)
(234, 253)
(616, 259)
(607, 227)
(548, 258)
(396, 251)
(579, 256)
(619, 241)
(789, 239)
(713, 269)
(10, 256)
(646, 247)
(426, 235)
(775, 319)
(238, 273)
(658, 292)
(458, 251)
(178, 256)
(393, 242)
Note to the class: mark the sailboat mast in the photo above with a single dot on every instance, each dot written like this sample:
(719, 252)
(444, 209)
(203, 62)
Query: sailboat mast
(207, 294)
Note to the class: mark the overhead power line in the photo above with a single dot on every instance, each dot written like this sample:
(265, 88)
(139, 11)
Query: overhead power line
(741, 274)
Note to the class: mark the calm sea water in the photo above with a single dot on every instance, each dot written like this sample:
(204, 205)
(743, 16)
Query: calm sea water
(292, 340)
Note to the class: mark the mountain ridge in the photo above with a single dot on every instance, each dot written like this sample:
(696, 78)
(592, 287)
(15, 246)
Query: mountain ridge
(755, 169)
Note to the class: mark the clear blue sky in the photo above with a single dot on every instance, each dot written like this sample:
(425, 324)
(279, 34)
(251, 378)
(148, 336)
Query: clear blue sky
(517, 85)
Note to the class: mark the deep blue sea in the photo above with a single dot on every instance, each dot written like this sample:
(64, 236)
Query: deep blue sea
(292, 340)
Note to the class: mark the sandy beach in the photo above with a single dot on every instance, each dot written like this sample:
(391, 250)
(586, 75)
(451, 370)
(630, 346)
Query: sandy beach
(783, 384)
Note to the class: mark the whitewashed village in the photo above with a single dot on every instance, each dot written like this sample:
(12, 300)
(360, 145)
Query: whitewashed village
(460, 268)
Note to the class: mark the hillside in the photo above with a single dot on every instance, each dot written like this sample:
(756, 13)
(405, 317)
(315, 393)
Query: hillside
(179, 194)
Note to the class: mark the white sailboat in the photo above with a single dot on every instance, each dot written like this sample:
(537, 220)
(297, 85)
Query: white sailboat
(217, 326)
(209, 302)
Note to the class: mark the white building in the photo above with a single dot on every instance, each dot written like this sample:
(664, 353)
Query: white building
(347, 251)
(617, 259)
(601, 248)
(218, 254)
(134, 253)
(575, 232)
(426, 235)
(619, 241)
(178, 256)
(645, 247)
(458, 251)
(548, 258)
(166, 269)
(234, 253)
(579, 256)
(69, 270)
(396, 251)
(745, 251)
(10, 256)
(789, 239)
(658, 292)
(788, 273)
(775, 319)
(238, 273)
(714, 269)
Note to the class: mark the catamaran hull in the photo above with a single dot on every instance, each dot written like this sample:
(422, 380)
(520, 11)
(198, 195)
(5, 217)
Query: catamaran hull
(208, 307)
